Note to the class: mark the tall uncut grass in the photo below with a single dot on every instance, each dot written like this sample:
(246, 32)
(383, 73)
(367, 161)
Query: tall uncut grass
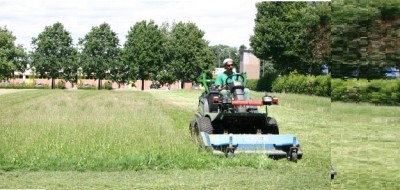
(103, 130)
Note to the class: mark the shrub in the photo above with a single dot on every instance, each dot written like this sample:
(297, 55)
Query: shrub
(376, 91)
(266, 81)
(61, 84)
(252, 84)
(24, 86)
(108, 85)
(302, 84)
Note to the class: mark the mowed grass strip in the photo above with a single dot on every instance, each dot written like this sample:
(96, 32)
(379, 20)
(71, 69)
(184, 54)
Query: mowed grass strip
(365, 141)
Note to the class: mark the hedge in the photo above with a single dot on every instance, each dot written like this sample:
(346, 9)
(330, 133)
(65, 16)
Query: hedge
(23, 86)
(263, 84)
(303, 84)
(381, 91)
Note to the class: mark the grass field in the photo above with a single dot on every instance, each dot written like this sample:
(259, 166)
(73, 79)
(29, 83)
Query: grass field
(58, 139)
(365, 141)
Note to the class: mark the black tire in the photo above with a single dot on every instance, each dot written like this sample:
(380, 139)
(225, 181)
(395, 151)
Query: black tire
(230, 154)
(293, 156)
(271, 126)
(192, 129)
(204, 124)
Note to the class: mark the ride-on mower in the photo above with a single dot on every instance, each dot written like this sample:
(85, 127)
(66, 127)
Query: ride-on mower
(234, 125)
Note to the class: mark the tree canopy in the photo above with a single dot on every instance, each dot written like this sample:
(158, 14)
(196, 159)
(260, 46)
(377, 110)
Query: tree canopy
(144, 50)
(222, 52)
(53, 51)
(292, 35)
(11, 55)
(100, 52)
(365, 38)
(190, 53)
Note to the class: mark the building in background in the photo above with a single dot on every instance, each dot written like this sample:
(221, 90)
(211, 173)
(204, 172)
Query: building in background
(250, 64)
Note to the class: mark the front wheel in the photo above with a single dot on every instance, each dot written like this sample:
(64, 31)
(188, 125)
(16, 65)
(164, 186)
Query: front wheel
(293, 156)
(192, 129)
(204, 124)
(271, 126)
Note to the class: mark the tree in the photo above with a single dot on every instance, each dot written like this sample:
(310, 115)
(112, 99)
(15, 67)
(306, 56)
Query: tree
(21, 59)
(275, 33)
(364, 38)
(222, 52)
(293, 35)
(144, 50)
(70, 70)
(53, 51)
(119, 73)
(190, 53)
(11, 56)
(315, 36)
(166, 75)
(100, 52)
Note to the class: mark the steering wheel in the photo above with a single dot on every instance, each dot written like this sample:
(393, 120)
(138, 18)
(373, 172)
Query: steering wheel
(229, 80)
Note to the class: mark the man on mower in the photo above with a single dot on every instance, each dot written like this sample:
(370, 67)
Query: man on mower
(220, 82)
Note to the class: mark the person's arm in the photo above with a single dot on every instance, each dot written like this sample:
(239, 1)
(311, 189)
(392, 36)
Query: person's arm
(219, 82)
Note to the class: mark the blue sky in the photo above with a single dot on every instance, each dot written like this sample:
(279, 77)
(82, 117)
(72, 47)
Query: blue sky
(224, 22)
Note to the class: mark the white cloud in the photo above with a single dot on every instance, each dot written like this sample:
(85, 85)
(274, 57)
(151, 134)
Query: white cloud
(224, 22)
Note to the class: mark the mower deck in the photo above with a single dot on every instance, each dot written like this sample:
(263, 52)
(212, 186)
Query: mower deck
(271, 145)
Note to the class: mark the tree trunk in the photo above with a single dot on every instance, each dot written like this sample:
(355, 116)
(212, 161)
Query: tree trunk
(142, 85)
(182, 85)
(99, 84)
(52, 83)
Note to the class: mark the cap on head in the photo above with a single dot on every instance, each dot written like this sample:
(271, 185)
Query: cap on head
(227, 60)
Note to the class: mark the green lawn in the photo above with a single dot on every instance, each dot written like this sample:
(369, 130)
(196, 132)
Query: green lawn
(365, 141)
(57, 139)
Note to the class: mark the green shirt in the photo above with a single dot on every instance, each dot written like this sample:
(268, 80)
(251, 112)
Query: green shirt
(221, 79)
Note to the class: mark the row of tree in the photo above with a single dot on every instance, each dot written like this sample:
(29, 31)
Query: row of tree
(349, 36)
(151, 52)
(353, 37)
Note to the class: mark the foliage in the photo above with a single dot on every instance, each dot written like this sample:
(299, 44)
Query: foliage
(386, 92)
(12, 57)
(189, 52)
(53, 52)
(144, 51)
(221, 52)
(303, 84)
(61, 84)
(108, 85)
(293, 35)
(100, 52)
(265, 82)
(24, 86)
(252, 84)
(364, 38)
